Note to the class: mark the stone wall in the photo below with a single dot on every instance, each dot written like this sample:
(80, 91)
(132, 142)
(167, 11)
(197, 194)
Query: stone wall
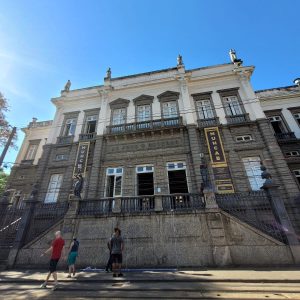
(211, 238)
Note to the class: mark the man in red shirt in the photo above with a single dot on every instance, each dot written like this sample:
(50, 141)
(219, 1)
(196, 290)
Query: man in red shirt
(57, 249)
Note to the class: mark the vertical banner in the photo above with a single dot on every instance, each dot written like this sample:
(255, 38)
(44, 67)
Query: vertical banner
(81, 158)
(218, 161)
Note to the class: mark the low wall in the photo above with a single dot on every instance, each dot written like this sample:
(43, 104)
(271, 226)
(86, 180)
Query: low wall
(203, 239)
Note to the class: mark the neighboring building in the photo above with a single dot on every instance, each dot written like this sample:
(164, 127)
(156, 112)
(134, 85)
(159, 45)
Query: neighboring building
(282, 107)
(145, 136)
(23, 174)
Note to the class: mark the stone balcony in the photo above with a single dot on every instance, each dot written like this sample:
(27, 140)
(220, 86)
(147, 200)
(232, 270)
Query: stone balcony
(65, 140)
(211, 122)
(238, 119)
(87, 136)
(145, 126)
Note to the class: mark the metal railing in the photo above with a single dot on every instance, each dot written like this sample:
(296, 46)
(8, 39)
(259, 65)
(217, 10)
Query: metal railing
(182, 202)
(145, 125)
(10, 219)
(285, 136)
(253, 208)
(44, 216)
(137, 204)
(87, 136)
(95, 207)
(237, 119)
(62, 140)
(202, 123)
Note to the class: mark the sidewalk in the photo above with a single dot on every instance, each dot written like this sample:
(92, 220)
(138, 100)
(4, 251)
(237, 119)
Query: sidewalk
(241, 275)
(182, 284)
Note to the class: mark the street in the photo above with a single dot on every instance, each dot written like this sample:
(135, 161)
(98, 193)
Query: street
(183, 284)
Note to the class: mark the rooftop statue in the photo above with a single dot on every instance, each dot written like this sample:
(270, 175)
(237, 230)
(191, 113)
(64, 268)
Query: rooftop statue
(67, 86)
(179, 60)
(234, 59)
(108, 73)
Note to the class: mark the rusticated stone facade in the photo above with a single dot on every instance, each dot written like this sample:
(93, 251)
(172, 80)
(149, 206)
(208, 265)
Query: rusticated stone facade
(168, 240)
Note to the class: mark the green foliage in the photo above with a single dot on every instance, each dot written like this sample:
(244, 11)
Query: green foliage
(3, 181)
(5, 128)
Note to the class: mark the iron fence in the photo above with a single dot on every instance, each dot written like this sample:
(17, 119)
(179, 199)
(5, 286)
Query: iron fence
(255, 209)
(10, 219)
(182, 202)
(44, 216)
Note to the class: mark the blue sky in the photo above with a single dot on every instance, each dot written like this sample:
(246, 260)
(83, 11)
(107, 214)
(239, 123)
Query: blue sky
(45, 43)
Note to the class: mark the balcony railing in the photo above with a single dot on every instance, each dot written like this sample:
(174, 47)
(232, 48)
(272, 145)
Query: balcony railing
(145, 125)
(95, 207)
(137, 204)
(208, 122)
(62, 140)
(87, 136)
(285, 136)
(182, 202)
(238, 119)
(141, 204)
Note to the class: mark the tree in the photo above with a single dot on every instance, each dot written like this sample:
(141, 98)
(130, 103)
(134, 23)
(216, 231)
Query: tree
(3, 181)
(5, 127)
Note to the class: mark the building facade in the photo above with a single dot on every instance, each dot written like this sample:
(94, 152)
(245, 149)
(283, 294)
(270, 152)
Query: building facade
(172, 156)
(282, 108)
(145, 134)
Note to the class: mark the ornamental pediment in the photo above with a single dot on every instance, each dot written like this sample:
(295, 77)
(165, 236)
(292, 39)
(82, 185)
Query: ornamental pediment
(168, 96)
(143, 99)
(120, 102)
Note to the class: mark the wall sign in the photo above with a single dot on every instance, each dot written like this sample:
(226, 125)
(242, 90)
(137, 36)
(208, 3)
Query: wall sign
(218, 161)
(81, 158)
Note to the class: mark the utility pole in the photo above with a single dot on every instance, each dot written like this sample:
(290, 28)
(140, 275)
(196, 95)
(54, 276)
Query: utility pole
(12, 134)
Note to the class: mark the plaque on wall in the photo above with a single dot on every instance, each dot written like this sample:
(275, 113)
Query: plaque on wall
(81, 158)
(219, 164)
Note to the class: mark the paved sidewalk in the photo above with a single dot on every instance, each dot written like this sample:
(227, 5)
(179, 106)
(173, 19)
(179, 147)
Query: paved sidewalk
(182, 284)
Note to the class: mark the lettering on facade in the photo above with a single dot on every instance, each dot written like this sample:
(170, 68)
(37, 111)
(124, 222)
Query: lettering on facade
(218, 161)
(81, 159)
(145, 146)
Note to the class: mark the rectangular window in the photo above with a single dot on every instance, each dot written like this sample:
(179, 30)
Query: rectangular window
(170, 109)
(232, 106)
(292, 153)
(118, 116)
(243, 138)
(277, 124)
(53, 188)
(114, 182)
(252, 168)
(61, 157)
(297, 118)
(70, 127)
(145, 181)
(297, 175)
(177, 178)
(31, 152)
(204, 109)
(91, 124)
(143, 113)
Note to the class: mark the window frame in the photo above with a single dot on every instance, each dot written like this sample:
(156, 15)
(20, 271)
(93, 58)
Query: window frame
(57, 190)
(243, 138)
(206, 96)
(232, 92)
(256, 178)
(68, 116)
(115, 174)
